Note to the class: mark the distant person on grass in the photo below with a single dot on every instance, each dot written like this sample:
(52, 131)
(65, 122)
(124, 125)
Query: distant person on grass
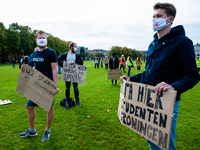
(106, 64)
(170, 61)
(45, 61)
(114, 64)
(73, 58)
(122, 63)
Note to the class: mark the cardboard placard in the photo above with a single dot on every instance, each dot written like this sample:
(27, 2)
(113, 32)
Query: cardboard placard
(37, 87)
(138, 63)
(106, 61)
(147, 113)
(74, 73)
(114, 74)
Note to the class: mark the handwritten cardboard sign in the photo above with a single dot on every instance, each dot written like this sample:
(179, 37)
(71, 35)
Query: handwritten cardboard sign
(37, 87)
(106, 60)
(138, 63)
(114, 74)
(147, 113)
(74, 73)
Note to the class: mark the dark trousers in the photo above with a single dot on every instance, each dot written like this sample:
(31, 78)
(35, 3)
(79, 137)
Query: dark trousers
(122, 66)
(138, 67)
(67, 91)
(106, 66)
(97, 66)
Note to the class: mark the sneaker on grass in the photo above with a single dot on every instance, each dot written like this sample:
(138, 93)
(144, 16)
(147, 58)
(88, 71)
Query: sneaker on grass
(28, 133)
(46, 136)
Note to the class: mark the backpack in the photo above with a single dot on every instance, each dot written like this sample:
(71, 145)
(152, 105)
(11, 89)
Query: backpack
(67, 102)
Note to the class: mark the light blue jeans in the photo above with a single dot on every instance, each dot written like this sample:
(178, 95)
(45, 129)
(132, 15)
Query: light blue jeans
(172, 145)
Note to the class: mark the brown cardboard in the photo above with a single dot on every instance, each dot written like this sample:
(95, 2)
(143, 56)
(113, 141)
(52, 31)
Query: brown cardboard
(37, 87)
(147, 113)
(106, 61)
(114, 74)
(74, 73)
(138, 63)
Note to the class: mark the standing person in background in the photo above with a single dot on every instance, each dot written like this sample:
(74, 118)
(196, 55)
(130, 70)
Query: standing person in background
(72, 58)
(59, 67)
(101, 62)
(45, 61)
(114, 64)
(138, 62)
(122, 63)
(170, 63)
(106, 64)
(129, 64)
(198, 62)
(21, 62)
(96, 65)
(25, 60)
(13, 62)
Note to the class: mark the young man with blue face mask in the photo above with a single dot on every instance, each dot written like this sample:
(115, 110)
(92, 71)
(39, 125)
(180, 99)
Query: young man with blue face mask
(170, 61)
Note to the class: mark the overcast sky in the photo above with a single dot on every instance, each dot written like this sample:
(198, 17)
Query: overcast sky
(99, 24)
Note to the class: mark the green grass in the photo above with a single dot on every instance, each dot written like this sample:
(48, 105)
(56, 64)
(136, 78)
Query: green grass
(71, 129)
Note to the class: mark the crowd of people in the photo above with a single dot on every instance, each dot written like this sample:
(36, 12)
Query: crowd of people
(165, 68)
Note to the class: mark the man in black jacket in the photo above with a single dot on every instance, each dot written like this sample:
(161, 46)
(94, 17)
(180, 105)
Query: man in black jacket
(73, 58)
(114, 64)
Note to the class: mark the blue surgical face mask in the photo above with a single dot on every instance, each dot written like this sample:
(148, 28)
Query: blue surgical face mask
(160, 23)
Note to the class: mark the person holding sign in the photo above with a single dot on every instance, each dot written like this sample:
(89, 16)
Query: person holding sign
(45, 61)
(114, 64)
(138, 62)
(73, 58)
(170, 63)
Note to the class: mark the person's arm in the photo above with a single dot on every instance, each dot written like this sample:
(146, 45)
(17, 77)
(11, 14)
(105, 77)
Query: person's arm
(79, 61)
(130, 60)
(186, 59)
(61, 59)
(55, 75)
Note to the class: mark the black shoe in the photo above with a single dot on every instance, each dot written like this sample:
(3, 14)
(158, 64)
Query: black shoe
(27, 133)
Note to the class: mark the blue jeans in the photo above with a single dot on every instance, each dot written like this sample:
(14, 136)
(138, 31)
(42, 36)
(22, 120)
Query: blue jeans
(31, 103)
(129, 70)
(172, 145)
(67, 91)
(101, 64)
(59, 69)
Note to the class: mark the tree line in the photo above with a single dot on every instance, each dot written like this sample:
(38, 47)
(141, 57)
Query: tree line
(19, 40)
(125, 51)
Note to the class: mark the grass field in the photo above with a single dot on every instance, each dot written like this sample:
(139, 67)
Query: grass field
(74, 130)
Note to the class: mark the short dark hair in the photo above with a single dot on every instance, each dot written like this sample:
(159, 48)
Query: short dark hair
(71, 45)
(40, 32)
(170, 10)
(114, 53)
(129, 54)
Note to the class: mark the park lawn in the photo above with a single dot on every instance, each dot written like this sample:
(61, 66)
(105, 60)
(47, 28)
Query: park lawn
(72, 129)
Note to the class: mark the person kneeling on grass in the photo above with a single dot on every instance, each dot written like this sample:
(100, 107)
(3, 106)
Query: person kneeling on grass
(43, 58)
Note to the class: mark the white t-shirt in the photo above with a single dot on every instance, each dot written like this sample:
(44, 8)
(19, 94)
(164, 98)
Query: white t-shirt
(71, 57)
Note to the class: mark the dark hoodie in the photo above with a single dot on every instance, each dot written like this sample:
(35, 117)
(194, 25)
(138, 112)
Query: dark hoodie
(171, 59)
